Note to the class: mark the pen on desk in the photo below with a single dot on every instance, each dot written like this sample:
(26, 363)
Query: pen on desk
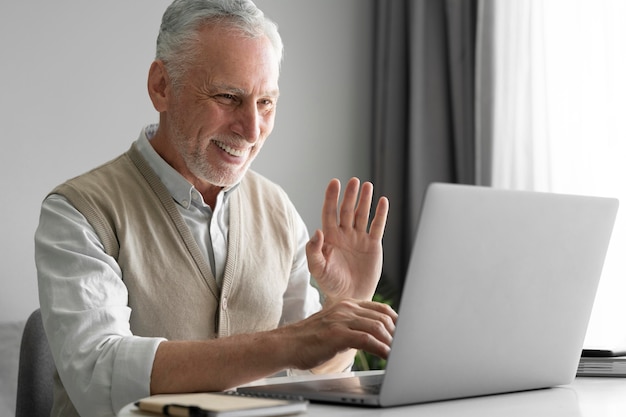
(178, 410)
(173, 409)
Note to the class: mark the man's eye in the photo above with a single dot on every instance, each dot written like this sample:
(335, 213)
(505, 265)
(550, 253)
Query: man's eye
(266, 103)
(226, 98)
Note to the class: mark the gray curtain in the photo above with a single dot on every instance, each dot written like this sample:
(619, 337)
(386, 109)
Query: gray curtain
(423, 124)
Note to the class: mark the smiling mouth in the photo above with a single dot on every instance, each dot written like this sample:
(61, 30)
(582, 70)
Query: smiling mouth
(229, 150)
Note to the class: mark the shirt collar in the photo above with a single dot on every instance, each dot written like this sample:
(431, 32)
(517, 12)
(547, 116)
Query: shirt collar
(181, 190)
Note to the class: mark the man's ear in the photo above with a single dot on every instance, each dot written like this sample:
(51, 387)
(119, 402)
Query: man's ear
(159, 86)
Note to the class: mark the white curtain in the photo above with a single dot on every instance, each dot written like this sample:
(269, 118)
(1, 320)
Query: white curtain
(552, 110)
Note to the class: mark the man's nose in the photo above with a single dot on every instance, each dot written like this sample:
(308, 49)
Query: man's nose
(248, 122)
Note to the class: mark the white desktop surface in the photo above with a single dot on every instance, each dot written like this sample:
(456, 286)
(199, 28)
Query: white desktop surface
(585, 397)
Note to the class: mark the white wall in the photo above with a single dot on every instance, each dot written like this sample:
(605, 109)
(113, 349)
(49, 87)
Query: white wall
(73, 96)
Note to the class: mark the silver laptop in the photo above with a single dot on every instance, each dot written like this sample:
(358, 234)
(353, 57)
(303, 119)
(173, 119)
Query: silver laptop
(497, 298)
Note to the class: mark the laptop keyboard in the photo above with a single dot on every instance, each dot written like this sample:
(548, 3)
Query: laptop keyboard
(370, 384)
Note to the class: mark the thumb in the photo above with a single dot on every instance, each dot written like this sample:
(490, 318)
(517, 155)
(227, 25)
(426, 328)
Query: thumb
(314, 255)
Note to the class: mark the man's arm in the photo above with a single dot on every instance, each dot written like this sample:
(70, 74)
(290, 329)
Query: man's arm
(219, 364)
(84, 305)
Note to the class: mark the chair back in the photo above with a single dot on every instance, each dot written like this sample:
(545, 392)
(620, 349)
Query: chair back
(35, 372)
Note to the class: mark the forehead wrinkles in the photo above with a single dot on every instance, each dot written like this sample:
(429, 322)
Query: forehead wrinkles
(211, 83)
(234, 63)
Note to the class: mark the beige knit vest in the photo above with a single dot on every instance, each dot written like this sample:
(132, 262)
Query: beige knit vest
(172, 291)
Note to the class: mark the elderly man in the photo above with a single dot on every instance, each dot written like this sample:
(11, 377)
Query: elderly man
(175, 268)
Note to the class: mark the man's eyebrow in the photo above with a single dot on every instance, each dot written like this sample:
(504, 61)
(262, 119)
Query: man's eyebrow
(273, 93)
(241, 92)
(228, 88)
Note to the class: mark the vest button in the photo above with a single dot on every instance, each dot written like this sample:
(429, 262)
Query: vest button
(224, 303)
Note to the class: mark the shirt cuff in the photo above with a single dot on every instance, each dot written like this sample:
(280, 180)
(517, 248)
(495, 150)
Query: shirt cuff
(132, 370)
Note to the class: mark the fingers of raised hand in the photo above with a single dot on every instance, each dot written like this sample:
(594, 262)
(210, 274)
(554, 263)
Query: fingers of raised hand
(377, 228)
(362, 212)
(348, 204)
(354, 210)
(331, 202)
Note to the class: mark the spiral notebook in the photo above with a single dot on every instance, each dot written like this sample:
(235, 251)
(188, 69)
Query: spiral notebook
(226, 404)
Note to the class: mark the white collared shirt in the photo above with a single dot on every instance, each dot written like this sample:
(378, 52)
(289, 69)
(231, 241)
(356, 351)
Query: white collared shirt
(84, 301)
(212, 240)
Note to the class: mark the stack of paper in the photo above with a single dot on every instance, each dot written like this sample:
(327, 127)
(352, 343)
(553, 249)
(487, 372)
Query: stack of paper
(602, 366)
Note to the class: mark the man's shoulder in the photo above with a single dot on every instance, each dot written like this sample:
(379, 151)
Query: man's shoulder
(103, 181)
(107, 170)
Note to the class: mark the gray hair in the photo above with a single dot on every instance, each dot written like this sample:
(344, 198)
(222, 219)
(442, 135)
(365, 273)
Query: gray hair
(183, 18)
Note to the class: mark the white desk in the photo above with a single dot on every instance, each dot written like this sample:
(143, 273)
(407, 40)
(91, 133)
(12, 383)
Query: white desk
(585, 397)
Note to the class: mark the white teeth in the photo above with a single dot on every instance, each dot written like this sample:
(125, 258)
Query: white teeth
(229, 150)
